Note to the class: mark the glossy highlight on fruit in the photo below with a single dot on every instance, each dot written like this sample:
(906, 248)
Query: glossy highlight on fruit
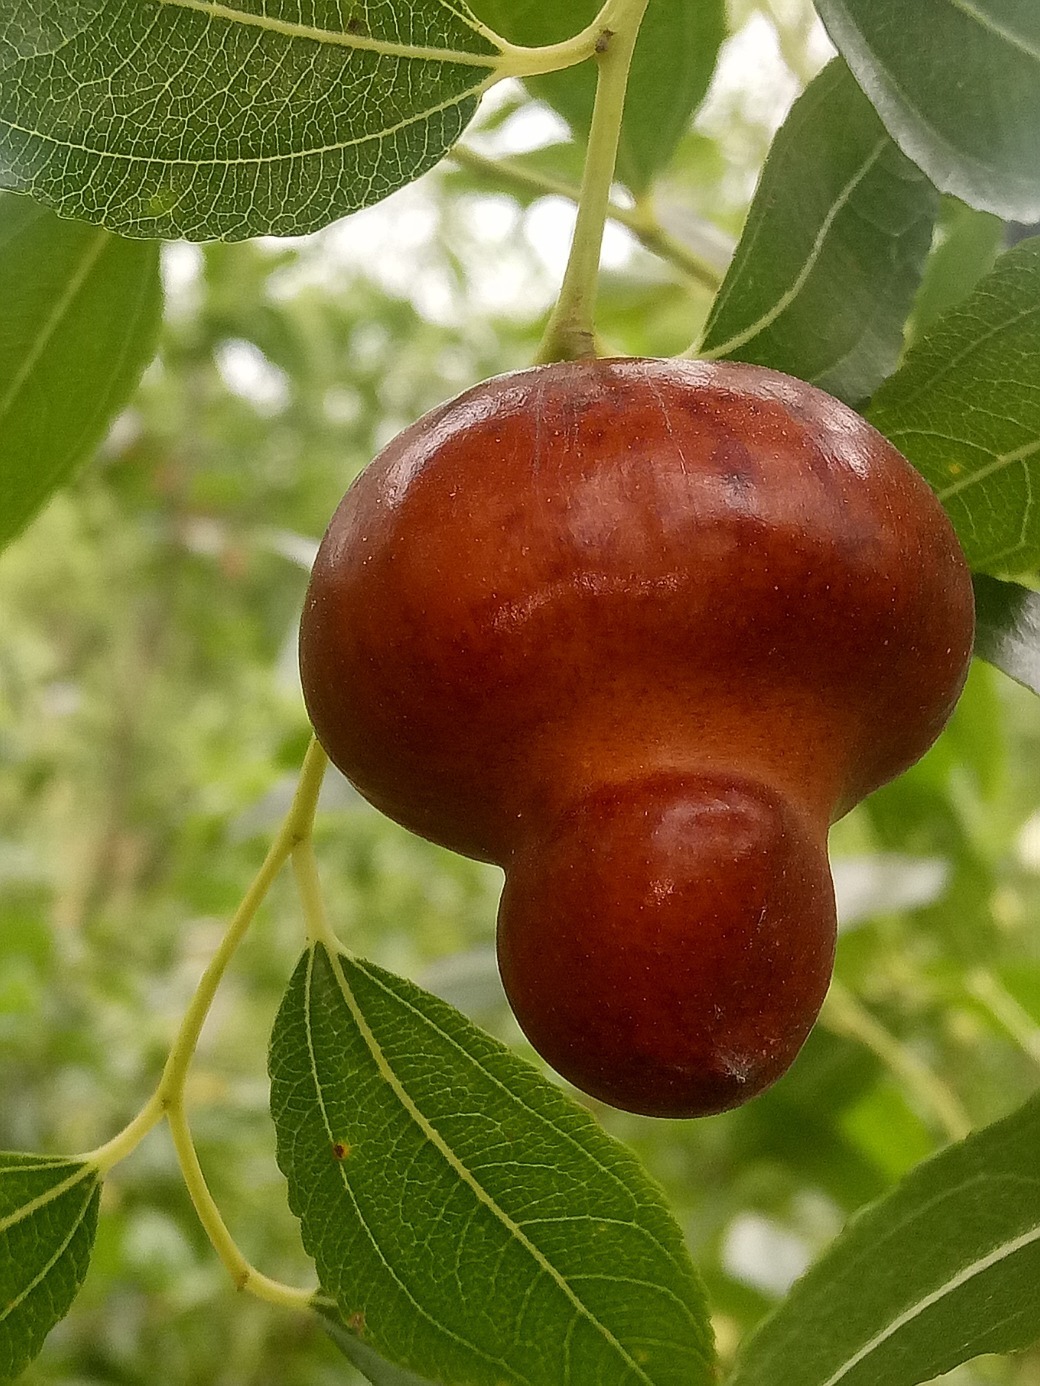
(639, 631)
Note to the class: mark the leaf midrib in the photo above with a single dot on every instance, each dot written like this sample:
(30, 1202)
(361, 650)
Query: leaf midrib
(25, 1210)
(419, 1307)
(362, 42)
(987, 22)
(47, 329)
(45, 1270)
(781, 304)
(466, 1176)
(967, 1273)
(582, 1150)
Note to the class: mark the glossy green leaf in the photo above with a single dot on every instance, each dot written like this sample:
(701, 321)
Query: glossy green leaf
(1007, 629)
(942, 1270)
(48, 1216)
(671, 68)
(81, 311)
(471, 1223)
(957, 82)
(213, 120)
(833, 249)
(965, 409)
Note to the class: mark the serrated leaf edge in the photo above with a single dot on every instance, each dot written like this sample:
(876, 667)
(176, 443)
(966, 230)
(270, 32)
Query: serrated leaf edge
(435, 1139)
(46, 1270)
(937, 331)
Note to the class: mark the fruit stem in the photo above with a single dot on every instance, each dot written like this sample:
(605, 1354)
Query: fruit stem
(570, 334)
(305, 869)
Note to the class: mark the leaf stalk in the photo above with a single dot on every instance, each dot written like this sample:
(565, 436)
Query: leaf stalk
(167, 1101)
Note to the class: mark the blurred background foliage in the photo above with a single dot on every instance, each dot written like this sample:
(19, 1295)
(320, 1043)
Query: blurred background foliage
(151, 727)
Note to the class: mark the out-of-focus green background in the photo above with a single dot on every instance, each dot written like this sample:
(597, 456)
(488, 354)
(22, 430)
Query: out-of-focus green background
(151, 727)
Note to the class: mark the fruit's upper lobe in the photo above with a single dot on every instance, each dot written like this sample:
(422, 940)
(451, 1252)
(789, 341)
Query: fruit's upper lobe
(584, 573)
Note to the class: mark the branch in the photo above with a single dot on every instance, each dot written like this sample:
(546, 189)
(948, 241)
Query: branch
(639, 220)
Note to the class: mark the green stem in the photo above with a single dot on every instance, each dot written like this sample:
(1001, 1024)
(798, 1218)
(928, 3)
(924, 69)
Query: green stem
(519, 61)
(168, 1099)
(1008, 1012)
(127, 1140)
(242, 1272)
(295, 829)
(305, 869)
(639, 220)
(570, 333)
(844, 1014)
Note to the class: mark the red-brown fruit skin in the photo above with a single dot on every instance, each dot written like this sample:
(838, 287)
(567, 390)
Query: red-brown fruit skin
(584, 603)
(688, 980)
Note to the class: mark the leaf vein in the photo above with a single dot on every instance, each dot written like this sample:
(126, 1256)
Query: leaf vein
(1000, 1253)
(467, 1177)
(382, 47)
(26, 1210)
(20, 1299)
(316, 1078)
(1000, 31)
(815, 251)
(255, 161)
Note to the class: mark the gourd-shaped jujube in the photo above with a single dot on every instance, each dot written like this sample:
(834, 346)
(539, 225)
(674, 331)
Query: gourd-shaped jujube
(639, 632)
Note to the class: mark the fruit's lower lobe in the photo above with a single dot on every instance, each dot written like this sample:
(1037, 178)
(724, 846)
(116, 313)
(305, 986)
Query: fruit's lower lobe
(639, 631)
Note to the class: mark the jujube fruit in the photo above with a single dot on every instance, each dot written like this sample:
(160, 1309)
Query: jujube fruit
(639, 632)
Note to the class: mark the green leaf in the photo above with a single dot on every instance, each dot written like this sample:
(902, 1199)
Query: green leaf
(471, 1223)
(832, 253)
(965, 409)
(214, 120)
(373, 1368)
(671, 68)
(80, 318)
(48, 1216)
(942, 1270)
(957, 82)
(1007, 629)
(967, 245)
